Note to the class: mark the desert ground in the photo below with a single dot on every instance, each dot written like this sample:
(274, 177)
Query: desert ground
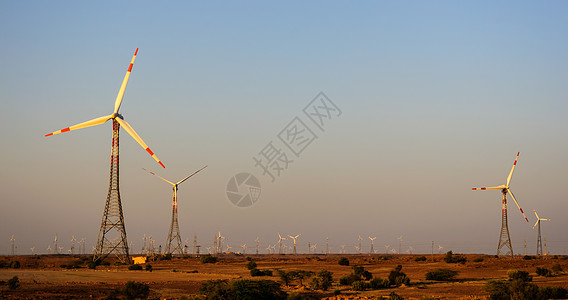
(45, 276)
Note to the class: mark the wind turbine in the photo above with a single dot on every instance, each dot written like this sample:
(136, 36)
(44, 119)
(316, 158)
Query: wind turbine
(257, 241)
(505, 238)
(48, 249)
(73, 244)
(174, 235)
(13, 240)
(244, 246)
(360, 248)
(113, 219)
(280, 239)
(539, 240)
(387, 248)
(372, 244)
(399, 243)
(294, 238)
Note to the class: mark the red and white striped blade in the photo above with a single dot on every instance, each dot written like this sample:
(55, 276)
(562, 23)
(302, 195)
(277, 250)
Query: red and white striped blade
(120, 95)
(522, 212)
(93, 122)
(159, 177)
(191, 175)
(513, 169)
(487, 188)
(134, 135)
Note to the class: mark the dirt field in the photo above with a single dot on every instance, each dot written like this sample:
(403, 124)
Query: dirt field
(42, 277)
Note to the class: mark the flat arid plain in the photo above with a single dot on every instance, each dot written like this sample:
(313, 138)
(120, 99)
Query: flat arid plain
(46, 276)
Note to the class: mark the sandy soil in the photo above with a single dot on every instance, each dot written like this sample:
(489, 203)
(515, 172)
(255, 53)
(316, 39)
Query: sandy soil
(42, 277)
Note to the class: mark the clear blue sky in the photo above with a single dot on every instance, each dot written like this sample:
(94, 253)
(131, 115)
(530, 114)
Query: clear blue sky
(436, 97)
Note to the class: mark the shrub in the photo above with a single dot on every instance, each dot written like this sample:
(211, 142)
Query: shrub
(337, 292)
(13, 283)
(135, 290)
(557, 268)
(148, 268)
(360, 285)
(360, 271)
(343, 261)
(165, 257)
(257, 272)
(135, 267)
(441, 275)
(284, 276)
(420, 258)
(552, 293)
(543, 272)
(379, 283)
(395, 296)
(208, 259)
(242, 289)
(322, 281)
(15, 264)
(452, 259)
(521, 275)
(251, 265)
(92, 265)
(397, 277)
(349, 279)
(478, 259)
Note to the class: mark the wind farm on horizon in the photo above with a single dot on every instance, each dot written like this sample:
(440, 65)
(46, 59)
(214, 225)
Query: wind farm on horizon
(112, 233)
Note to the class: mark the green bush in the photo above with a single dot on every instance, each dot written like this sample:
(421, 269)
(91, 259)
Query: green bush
(135, 290)
(242, 289)
(322, 281)
(257, 272)
(349, 279)
(379, 283)
(420, 258)
(397, 277)
(522, 275)
(453, 259)
(15, 264)
(441, 275)
(543, 272)
(148, 268)
(135, 267)
(343, 261)
(13, 283)
(208, 259)
(251, 265)
(360, 271)
(360, 285)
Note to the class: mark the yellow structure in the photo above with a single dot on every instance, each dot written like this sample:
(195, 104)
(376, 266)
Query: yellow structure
(139, 260)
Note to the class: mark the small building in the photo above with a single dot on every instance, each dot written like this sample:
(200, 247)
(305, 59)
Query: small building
(139, 260)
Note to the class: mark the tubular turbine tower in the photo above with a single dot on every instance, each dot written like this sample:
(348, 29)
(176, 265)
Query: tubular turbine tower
(112, 233)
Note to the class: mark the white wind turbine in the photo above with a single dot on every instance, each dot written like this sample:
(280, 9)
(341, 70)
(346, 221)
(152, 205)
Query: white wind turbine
(372, 244)
(113, 219)
(244, 246)
(48, 249)
(440, 249)
(504, 238)
(280, 239)
(387, 248)
(360, 248)
(32, 249)
(539, 239)
(174, 234)
(294, 238)
(399, 243)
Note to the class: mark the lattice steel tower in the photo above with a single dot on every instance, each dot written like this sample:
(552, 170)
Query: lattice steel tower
(504, 237)
(112, 235)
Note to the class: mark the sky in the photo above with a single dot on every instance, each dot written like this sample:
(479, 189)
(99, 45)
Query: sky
(429, 100)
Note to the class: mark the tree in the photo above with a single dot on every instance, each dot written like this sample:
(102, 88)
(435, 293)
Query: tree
(397, 277)
(343, 261)
(322, 281)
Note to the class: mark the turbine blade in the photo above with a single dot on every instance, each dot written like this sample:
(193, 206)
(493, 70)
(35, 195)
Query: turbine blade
(120, 95)
(159, 177)
(487, 188)
(536, 214)
(535, 224)
(93, 122)
(186, 178)
(522, 212)
(133, 133)
(513, 169)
